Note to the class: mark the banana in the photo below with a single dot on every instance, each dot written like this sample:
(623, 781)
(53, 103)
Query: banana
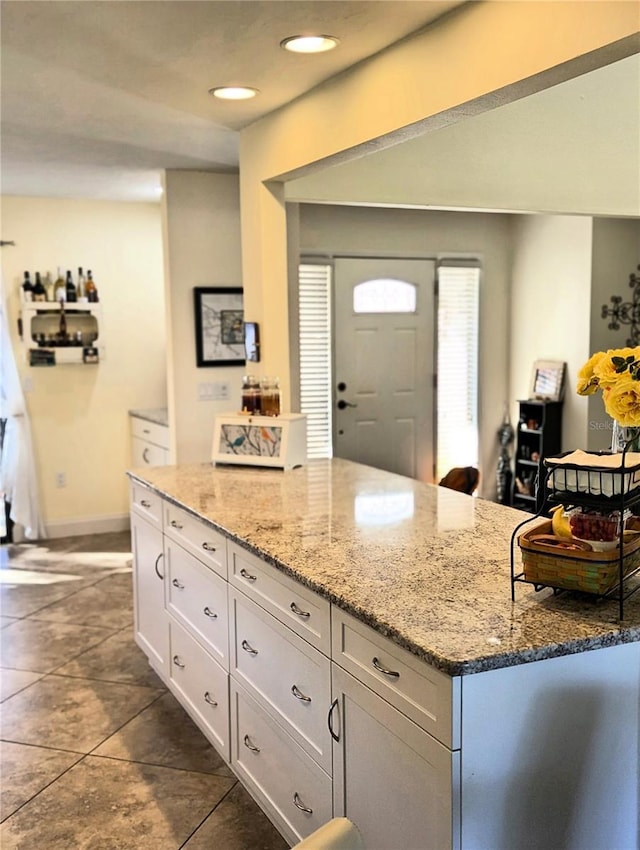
(560, 523)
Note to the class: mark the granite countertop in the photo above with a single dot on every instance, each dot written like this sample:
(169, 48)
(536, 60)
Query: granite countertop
(158, 415)
(426, 566)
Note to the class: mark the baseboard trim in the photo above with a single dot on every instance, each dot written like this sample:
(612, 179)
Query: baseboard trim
(87, 525)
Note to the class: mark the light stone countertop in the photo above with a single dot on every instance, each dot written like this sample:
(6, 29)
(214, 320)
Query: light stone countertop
(157, 415)
(426, 566)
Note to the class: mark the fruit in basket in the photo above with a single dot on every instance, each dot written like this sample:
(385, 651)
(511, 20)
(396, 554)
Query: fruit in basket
(591, 525)
(560, 524)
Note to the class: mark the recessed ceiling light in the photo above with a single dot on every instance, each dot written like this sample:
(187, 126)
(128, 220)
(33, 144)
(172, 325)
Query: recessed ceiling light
(233, 92)
(309, 43)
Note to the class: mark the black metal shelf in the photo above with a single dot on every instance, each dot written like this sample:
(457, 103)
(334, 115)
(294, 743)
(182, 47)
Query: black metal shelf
(621, 501)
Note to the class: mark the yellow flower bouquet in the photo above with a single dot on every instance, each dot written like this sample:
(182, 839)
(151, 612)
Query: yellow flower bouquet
(617, 373)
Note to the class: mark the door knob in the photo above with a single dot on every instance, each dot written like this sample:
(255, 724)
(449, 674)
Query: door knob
(342, 404)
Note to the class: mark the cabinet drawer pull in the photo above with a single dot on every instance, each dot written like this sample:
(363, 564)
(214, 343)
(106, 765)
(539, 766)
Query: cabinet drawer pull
(299, 611)
(298, 694)
(249, 745)
(208, 699)
(145, 453)
(144, 503)
(210, 613)
(297, 802)
(175, 524)
(155, 566)
(248, 648)
(177, 662)
(384, 670)
(177, 584)
(146, 431)
(332, 707)
(247, 575)
(208, 547)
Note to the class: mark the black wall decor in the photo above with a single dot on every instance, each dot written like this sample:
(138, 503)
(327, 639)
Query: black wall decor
(626, 312)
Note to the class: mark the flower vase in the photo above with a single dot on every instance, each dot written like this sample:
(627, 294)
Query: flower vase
(622, 438)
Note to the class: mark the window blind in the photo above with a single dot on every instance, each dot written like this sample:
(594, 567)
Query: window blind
(315, 356)
(457, 367)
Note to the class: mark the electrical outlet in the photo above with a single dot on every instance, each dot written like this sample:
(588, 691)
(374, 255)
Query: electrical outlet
(61, 479)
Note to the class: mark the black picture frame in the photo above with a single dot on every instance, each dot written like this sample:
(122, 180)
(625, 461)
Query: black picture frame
(219, 325)
(252, 342)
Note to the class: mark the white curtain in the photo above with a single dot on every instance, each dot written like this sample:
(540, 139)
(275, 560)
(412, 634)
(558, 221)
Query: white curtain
(18, 480)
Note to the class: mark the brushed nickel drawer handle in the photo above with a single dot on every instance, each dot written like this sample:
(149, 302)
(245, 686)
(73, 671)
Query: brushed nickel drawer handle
(248, 648)
(298, 694)
(208, 699)
(177, 662)
(208, 547)
(210, 613)
(384, 670)
(177, 584)
(247, 575)
(175, 524)
(249, 745)
(297, 802)
(145, 454)
(299, 611)
(144, 503)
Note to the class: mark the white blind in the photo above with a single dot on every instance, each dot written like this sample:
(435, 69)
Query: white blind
(457, 367)
(315, 356)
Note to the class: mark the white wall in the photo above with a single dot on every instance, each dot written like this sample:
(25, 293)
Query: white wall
(79, 414)
(551, 309)
(616, 255)
(328, 230)
(201, 221)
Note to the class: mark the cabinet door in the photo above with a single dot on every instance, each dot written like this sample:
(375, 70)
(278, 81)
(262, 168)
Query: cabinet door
(150, 619)
(146, 454)
(392, 779)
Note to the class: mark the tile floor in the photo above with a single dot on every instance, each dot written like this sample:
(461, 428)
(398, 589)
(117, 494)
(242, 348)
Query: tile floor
(96, 754)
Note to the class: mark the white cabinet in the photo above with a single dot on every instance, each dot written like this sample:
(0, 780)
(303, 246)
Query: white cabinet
(150, 620)
(396, 782)
(149, 443)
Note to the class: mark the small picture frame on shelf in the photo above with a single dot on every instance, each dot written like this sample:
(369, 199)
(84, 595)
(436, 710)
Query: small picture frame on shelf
(548, 379)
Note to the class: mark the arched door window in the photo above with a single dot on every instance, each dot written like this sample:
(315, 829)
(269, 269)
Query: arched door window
(384, 295)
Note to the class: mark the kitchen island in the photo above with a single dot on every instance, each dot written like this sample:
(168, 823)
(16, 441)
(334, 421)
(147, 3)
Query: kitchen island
(483, 723)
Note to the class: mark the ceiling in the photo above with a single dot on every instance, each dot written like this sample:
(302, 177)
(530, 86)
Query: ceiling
(99, 97)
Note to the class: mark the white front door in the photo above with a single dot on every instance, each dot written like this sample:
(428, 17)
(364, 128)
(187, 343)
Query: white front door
(384, 364)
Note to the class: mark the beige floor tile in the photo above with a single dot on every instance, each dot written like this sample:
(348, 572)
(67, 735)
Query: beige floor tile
(41, 646)
(12, 681)
(26, 590)
(108, 604)
(116, 659)
(26, 771)
(164, 734)
(105, 804)
(6, 621)
(71, 714)
(238, 823)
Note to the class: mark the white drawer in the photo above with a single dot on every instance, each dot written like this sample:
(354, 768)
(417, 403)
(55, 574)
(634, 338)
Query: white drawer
(308, 614)
(276, 771)
(430, 698)
(146, 454)
(292, 678)
(197, 537)
(147, 503)
(202, 687)
(197, 597)
(151, 432)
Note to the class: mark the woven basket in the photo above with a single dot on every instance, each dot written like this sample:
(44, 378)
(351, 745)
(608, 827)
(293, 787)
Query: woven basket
(591, 572)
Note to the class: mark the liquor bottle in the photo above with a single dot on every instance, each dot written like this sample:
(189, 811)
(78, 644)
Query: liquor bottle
(49, 287)
(80, 288)
(70, 288)
(27, 288)
(62, 327)
(39, 292)
(90, 288)
(59, 287)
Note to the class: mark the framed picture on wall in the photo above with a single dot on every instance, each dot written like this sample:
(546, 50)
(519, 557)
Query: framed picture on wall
(219, 326)
(547, 380)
